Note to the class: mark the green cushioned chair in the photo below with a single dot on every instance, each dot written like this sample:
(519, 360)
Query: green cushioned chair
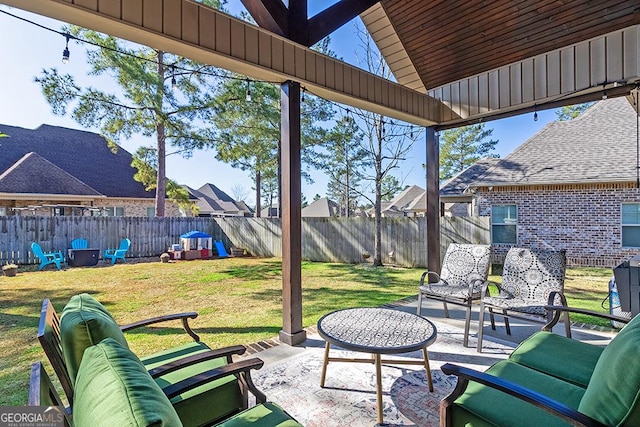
(113, 388)
(225, 384)
(552, 380)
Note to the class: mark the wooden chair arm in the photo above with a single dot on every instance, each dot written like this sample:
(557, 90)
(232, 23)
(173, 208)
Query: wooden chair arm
(197, 358)
(512, 389)
(557, 311)
(177, 316)
(242, 368)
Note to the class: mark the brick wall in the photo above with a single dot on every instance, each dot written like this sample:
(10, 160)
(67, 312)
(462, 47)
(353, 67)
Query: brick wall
(132, 207)
(583, 219)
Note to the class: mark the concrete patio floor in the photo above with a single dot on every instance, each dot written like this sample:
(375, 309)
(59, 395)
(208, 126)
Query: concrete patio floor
(290, 376)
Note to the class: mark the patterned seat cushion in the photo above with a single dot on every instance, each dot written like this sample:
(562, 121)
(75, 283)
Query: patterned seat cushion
(528, 277)
(463, 264)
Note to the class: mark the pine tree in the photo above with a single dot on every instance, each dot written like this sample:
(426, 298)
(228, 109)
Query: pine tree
(462, 147)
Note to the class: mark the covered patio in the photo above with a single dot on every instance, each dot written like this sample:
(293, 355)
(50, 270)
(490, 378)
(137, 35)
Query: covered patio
(455, 63)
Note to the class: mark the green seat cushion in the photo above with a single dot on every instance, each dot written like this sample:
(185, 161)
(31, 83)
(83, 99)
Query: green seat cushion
(267, 414)
(613, 394)
(544, 351)
(113, 388)
(204, 404)
(481, 405)
(85, 322)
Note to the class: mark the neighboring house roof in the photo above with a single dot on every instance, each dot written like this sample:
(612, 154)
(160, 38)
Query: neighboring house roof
(34, 174)
(456, 185)
(83, 155)
(598, 146)
(323, 207)
(213, 201)
(405, 200)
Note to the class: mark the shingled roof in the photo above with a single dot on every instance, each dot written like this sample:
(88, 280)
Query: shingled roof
(83, 155)
(599, 146)
(36, 175)
(456, 186)
(213, 201)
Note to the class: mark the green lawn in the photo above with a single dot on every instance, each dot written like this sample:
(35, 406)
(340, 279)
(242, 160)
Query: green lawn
(239, 301)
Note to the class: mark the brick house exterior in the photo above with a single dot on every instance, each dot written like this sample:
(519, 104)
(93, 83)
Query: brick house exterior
(571, 186)
(53, 170)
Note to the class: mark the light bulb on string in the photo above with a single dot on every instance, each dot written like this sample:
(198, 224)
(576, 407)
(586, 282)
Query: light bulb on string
(248, 95)
(173, 78)
(65, 53)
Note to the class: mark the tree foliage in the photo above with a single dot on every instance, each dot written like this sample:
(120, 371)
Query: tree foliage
(145, 161)
(342, 160)
(144, 102)
(390, 188)
(247, 118)
(569, 112)
(462, 147)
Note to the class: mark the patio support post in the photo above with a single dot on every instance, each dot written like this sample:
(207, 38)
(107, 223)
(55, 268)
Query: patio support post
(433, 200)
(290, 187)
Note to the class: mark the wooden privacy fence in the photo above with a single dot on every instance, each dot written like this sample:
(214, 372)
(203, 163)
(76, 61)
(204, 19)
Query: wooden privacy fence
(323, 239)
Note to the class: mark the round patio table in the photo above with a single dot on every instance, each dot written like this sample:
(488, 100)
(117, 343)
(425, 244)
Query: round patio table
(377, 331)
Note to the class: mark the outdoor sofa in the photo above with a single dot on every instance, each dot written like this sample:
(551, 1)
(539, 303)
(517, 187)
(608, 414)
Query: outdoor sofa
(190, 385)
(550, 380)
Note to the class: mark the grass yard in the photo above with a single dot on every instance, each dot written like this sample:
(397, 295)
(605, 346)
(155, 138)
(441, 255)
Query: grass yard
(239, 301)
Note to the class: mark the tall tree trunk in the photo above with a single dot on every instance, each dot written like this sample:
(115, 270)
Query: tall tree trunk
(161, 140)
(258, 194)
(377, 258)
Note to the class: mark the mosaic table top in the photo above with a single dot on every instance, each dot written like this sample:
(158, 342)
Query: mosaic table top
(377, 330)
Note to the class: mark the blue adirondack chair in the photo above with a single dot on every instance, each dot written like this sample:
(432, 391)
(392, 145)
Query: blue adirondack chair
(47, 258)
(79, 243)
(115, 254)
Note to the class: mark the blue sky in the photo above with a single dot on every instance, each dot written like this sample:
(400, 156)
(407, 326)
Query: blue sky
(27, 49)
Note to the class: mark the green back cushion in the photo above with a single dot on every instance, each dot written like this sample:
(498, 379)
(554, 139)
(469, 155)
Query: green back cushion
(613, 394)
(114, 389)
(85, 322)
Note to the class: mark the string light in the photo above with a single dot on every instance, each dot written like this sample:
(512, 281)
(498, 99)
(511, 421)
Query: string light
(65, 52)
(222, 75)
(248, 95)
(535, 113)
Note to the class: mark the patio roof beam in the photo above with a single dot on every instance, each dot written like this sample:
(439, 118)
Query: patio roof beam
(293, 22)
(201, 33)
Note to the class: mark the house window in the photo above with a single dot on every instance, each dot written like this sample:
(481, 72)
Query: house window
(151, 212)
(630, 225)
(114, 211)
(3, 211)
(503, 223)
(58, 211)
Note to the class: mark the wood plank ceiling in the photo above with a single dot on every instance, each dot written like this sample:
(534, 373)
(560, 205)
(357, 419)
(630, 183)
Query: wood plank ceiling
(449, 40)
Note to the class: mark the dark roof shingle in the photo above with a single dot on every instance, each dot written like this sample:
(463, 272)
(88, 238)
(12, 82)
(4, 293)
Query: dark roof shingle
(598, 146)
(84, 155)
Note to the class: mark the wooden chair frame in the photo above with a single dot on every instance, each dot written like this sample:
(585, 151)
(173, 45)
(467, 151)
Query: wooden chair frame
(49, 337)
